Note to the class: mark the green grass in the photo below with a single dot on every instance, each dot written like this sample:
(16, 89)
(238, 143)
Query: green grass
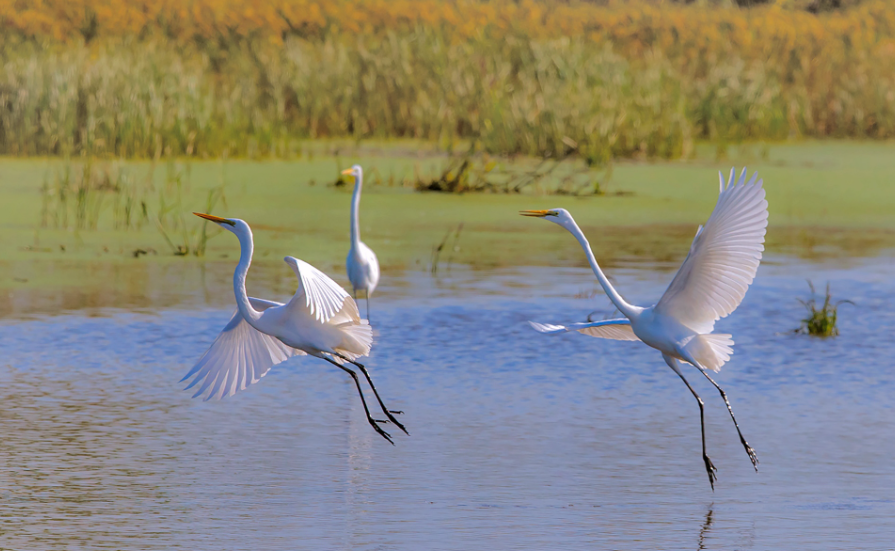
(821, 322)
(825, 199)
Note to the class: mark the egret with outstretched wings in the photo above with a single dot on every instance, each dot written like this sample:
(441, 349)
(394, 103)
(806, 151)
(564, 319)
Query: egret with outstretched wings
(710, 284)
(321, 319)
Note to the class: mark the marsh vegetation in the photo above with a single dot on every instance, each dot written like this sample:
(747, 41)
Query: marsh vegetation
(821, 321)
(647, 210)
(143, 108)
(617, 79)
(75, 196)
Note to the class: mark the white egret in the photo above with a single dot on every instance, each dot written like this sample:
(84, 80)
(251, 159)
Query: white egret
(320, 320)
(361, 264)
(710, 284)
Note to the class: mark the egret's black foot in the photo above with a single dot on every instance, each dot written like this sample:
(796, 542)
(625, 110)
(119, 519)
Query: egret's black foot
(711, 470)
(381, 432)
(388, 413)
(752, 456)
(396, 412)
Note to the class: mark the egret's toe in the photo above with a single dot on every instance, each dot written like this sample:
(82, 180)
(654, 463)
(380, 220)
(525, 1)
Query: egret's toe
(711, 470)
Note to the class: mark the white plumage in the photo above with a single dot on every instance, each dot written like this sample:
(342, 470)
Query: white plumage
(618, 330)
(239, 357)
(710, 284)
(361, 264)
(321, 319)
(323, 296)
(723, 258)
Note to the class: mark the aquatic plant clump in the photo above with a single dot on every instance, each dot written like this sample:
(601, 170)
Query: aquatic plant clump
(820, 322)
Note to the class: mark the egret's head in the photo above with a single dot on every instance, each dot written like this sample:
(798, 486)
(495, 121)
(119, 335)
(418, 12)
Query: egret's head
(234, 225)
(356, 171)
(557, 216)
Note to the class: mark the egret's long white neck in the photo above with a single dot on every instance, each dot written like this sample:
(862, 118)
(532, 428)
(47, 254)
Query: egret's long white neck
(246, 246)
(629, 310)
(355, 208)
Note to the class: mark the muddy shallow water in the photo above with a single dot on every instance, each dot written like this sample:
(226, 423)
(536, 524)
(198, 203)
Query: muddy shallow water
(518, 440)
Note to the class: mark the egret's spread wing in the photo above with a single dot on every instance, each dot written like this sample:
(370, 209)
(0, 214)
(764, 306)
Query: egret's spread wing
(323, 296)
(619, 330)
(723, 258)
(239, 357)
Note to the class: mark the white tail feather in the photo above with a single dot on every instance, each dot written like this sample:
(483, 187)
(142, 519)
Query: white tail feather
(710, 351)
(356, 341)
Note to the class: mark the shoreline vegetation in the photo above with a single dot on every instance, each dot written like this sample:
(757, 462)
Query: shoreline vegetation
(118, 118)
(830, 199)
(594, 80)
(831, 202)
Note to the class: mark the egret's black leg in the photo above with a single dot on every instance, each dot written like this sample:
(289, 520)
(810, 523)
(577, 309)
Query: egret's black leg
(709, 466)
(749, 450)
(372, 421)
(367, 298)
(388, 412)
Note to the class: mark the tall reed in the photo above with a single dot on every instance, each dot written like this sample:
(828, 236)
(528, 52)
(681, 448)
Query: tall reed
(630, 21)
(639, 80)
(94, 194)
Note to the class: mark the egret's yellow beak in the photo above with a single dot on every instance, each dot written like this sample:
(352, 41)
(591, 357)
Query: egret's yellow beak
(536, 213)
(348, 171)
(217, 219)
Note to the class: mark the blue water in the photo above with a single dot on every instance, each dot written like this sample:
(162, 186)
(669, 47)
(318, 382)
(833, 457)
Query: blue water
(518, 440)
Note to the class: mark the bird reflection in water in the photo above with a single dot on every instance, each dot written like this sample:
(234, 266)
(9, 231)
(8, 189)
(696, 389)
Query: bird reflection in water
(706, 526)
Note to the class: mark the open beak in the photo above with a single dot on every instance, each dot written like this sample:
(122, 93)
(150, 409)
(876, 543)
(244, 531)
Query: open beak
(348, 171)
(216, 219)
(535, 213)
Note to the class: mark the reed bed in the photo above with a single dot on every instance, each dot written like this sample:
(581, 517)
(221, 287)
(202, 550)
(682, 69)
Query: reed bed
(636, 23)
(209, 77)
(77, 196)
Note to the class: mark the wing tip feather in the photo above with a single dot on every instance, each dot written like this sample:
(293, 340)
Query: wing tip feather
(545, 327)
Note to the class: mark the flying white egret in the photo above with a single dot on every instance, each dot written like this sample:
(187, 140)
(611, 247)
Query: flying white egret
(710, 284)
(361, 264)
(320, 320)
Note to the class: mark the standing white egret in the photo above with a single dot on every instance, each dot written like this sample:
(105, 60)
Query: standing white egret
(361, 264)
(320, 320)
(710, 284)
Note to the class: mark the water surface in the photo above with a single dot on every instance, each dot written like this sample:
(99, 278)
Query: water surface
(518, 440)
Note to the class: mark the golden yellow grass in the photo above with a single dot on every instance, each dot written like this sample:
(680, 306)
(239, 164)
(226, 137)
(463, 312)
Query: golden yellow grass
(633, 24)
(621, 79)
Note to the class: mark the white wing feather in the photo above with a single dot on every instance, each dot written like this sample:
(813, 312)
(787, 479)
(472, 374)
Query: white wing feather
(723, 258)
(323, 296)
(619, 330)
(239, 357)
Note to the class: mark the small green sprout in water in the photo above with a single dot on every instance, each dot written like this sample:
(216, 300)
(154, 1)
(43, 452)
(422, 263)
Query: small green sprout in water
(821, 322)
